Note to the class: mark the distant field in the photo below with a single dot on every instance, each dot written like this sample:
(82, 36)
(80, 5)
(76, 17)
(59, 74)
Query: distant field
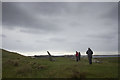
(17, 66)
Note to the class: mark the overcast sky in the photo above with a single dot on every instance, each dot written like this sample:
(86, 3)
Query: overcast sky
(60, 26)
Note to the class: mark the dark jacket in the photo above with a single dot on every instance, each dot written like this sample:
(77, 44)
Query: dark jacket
(89, 52)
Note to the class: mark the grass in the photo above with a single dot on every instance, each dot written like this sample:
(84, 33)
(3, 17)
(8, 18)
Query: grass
(17, 66)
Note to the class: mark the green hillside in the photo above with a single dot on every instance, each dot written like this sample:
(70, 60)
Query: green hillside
(18, 66)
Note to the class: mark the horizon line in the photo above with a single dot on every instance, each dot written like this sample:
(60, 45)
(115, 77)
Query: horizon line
(61, 53)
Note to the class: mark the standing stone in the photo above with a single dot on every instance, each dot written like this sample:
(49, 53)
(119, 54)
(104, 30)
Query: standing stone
(50, 57)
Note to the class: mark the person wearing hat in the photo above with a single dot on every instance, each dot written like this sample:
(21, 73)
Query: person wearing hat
(89, 52)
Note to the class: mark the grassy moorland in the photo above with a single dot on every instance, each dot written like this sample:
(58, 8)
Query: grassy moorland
(17, 66)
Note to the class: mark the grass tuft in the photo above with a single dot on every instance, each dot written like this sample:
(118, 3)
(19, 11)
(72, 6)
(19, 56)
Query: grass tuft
(24, 70)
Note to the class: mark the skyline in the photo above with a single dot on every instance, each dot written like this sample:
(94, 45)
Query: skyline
(60, 26)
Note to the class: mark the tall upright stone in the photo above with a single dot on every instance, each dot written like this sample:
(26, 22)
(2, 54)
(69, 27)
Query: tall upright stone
(50, 57)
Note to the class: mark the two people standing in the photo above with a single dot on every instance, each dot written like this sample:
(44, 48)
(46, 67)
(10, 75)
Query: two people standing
(78, 55)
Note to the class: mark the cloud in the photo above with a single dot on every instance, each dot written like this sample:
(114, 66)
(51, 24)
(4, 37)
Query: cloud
(62, 26)
(15, 16)
(111, 14)
(57, 39)
(3, 36)
(18, 41)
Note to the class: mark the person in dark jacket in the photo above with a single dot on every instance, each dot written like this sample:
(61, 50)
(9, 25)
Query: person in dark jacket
(76, 56)
(89, 53)
(79, 56)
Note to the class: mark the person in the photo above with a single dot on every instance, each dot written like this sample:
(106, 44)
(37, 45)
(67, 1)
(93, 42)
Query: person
(89, 52)
(79, 56)
(76, 56)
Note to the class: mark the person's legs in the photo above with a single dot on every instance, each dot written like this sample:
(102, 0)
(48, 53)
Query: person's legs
(76, 58)
(90, 60)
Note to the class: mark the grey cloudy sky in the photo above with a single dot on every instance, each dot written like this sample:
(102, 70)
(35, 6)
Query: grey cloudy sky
(60, 26)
